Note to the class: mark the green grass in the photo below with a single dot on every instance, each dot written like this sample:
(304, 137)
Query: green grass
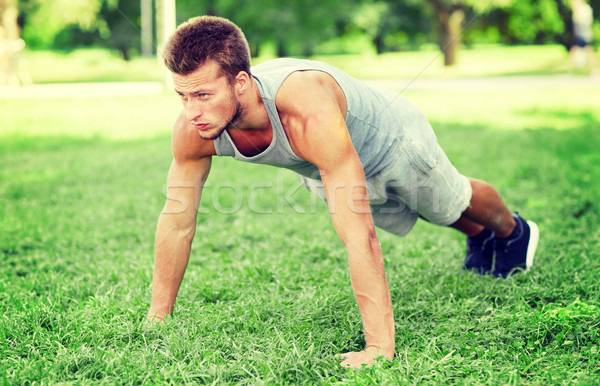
(267, 296)
(90, 65)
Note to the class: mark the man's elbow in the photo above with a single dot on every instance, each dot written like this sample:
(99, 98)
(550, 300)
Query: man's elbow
(186, 233)
(181, 229)
(373, 243)
(365, 241)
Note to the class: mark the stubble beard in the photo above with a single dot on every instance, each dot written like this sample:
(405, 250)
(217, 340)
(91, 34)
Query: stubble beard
(232, 124)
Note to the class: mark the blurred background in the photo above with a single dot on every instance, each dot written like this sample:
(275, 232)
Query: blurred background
(45, 41)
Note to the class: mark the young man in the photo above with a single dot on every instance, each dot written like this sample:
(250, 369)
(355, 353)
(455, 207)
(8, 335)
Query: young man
(369, 153)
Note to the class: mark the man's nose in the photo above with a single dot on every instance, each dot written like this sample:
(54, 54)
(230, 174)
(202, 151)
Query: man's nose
(193, 109)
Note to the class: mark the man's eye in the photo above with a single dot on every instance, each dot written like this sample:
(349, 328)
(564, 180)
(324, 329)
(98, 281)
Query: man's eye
(203, 95)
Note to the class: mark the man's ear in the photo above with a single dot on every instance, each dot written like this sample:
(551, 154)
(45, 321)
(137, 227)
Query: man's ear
(242, 82)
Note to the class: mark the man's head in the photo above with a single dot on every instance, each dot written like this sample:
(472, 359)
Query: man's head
(208, 38)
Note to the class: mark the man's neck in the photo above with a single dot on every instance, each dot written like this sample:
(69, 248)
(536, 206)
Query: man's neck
(255, 115)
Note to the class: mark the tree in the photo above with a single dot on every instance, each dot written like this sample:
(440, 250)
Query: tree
(122, 18)
(71, 23)
(294, 26)
(392, 23)
(47, 18)
(370, 17)
(535, 21)
(450, 15)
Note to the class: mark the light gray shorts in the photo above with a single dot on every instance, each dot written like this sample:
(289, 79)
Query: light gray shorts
(420, 180)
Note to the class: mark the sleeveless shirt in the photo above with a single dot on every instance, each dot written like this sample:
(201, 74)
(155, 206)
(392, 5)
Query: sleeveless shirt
(377, 120)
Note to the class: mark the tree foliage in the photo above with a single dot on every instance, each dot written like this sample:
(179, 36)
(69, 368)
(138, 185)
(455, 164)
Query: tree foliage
(47, 18)
(298, 27)
(294, 26)
(124, 25)
(393, 25)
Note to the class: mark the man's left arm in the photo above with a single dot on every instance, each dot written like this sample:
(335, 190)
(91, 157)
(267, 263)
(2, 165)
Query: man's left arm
(315, 126)
(350, 212)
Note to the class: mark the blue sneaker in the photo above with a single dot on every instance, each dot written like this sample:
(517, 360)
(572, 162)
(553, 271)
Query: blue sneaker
(480, 252)
(516, 251)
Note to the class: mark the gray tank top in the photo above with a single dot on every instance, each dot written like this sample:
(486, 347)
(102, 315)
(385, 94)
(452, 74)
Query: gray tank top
(377, 120)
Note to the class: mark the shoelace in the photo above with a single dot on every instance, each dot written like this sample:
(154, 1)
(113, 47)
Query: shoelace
(488, 239)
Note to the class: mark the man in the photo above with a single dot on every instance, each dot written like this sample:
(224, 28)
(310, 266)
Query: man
(370, 153)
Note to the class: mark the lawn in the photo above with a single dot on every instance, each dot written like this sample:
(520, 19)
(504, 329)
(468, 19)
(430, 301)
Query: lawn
(267, 296)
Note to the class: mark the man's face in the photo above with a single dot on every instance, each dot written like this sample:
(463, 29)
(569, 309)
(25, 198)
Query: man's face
(209, 100)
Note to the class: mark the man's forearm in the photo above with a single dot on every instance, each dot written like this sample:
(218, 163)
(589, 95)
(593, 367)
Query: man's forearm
(351, 216)
(172, 252)
(373, 298)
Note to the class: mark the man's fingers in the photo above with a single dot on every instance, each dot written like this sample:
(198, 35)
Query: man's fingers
(351, 359)
(357, 359)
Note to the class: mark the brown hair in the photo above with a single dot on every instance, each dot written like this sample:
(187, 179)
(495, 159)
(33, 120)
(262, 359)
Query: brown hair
(206, 38)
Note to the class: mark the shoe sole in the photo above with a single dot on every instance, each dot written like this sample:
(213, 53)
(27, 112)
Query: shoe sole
(534, 238)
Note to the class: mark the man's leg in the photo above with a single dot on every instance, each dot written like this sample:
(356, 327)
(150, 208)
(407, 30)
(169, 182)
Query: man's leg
(485, 210)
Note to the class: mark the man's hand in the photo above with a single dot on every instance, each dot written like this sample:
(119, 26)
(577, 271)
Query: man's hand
(366, 357)
(154, 316)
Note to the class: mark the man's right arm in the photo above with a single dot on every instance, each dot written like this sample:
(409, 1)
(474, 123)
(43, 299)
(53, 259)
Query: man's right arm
(175, 231)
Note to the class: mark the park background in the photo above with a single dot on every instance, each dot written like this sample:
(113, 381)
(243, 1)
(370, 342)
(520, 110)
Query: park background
(84, 151)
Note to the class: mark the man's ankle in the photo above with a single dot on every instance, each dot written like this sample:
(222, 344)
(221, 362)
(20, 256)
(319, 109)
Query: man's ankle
(508, 232)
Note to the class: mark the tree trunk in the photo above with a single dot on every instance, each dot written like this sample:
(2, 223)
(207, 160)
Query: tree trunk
(124, 50)
(450, 18)
(254, 50)
(378, 42)
(450, 34)
(281, 49)
(308, 49)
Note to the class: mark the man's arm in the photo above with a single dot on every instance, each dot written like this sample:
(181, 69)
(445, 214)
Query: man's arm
(175, 231)
(350, 212)
(177, 222)
(315, 124)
